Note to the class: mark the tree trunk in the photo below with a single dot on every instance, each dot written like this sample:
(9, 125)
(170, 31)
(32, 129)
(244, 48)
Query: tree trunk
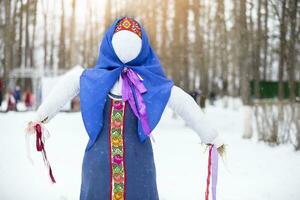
(32, 48)
(282, 50)
(251, 45)
(91, 38)
(205, 85)
(221, 37)
(13, 34)
(175, 44)
(62, 47)
(291, 61)
(7, 43)
(244, 54)
(198, 47)
(27, 42)
(72, 56)
(266, 44)
(45, 44)
(52, 44)
(20, 48)
(108, 14)
(185, 45)
(257, 51)
(164, 48)
(235, 51)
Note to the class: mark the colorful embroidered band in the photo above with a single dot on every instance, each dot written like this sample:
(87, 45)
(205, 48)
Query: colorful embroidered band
(130, 25)
(132, 90)
(117, 150)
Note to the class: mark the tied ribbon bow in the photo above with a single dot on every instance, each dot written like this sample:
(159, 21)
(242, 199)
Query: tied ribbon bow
(212, 172)
(132, 90)
(40, 147)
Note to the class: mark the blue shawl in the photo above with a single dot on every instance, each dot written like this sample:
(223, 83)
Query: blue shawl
(96, 82)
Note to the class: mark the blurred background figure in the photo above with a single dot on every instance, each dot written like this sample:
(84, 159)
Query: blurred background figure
(28, 99)
(11, 101)
(195, 94)
(17, 94)
(212, 98)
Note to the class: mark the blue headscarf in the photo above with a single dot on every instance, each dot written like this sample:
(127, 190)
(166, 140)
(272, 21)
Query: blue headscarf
(96, 82)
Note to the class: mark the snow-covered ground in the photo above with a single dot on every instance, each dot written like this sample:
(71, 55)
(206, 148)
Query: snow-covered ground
(250, 170)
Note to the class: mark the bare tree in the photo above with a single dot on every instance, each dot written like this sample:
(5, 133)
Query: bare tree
(20, 39)
(221, 38)
(45, 6)
(257, 50)
(27, 36)
(62, 46)
(108, 14)
(175, 48)
(32, 46)
(243, 53)
(265, 37)
(7, 41)
(72, 45)
(53, 39)
(163, 50)
(282, 50)
(291, 61)
(185, 47)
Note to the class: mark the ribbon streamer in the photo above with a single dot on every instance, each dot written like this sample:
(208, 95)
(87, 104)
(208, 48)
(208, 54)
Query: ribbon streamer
(132, 90)
(212, 171)
(40, 147)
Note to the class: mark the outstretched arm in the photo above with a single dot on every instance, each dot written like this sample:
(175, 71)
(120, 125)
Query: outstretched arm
(64, 90)
(185, 106)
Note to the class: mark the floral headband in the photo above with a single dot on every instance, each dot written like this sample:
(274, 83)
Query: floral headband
(130, 25)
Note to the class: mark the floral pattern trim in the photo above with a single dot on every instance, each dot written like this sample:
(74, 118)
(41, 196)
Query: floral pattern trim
(117, 150)
(130, 25)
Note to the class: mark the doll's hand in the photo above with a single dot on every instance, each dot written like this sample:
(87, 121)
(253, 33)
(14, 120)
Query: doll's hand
(30, 127)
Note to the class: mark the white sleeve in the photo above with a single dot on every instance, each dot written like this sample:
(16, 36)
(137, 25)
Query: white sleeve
(185, 106)
(65, 89)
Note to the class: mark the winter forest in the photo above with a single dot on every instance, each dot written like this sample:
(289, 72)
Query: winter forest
(215, 45)
(228, 48)
(237, 58)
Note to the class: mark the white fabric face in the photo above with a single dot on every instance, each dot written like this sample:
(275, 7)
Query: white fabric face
(127, 45)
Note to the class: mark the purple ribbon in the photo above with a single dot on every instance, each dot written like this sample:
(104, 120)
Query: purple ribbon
(214, 173)
(132, 90)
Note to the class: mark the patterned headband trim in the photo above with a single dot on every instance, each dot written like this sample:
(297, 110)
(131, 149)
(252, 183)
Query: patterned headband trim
(130, 25)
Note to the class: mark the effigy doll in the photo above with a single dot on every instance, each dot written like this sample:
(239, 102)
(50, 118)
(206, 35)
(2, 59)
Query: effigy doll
(122, 99)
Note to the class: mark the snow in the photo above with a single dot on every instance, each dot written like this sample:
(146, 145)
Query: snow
(250, 170)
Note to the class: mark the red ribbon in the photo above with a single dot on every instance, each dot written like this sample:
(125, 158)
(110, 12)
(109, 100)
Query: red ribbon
(212, 173)
(208, 174)
(40, 147)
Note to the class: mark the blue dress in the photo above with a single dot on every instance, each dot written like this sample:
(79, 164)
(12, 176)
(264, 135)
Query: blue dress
(119, 166)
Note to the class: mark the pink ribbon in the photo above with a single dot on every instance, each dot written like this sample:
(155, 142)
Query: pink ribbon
(132, 90)
(214, 175)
